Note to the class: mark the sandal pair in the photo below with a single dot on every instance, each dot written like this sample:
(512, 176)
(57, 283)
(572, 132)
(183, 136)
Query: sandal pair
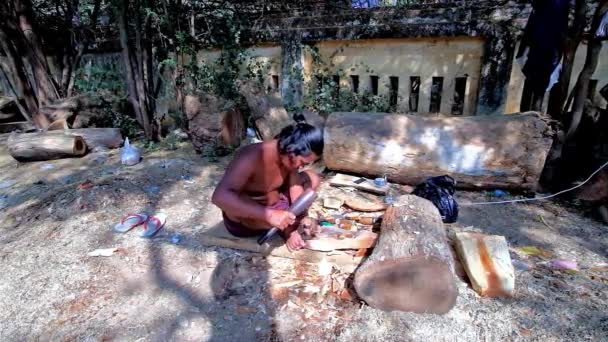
(152, 224)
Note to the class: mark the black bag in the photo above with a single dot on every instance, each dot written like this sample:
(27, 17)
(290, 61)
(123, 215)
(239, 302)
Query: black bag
(440, 191)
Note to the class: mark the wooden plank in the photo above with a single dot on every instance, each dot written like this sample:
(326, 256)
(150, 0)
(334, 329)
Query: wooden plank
(368, 185)
(218, 236)
(487, 262)
(359, 240)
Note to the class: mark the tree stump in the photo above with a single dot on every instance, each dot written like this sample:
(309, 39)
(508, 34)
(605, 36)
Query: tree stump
(500, 151)
(45, 146)
(212, 122)
(411, 267)
(267, 110)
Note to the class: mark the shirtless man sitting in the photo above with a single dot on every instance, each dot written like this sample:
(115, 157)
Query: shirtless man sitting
(264, 178)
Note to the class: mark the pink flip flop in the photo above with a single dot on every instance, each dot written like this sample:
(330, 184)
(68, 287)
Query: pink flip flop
(153, 225)
(129, 222)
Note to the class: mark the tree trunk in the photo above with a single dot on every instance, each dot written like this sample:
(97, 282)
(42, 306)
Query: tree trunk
(22, 109)
(591, 60)
(46, 89)
(135, 82)
(20, 79)
(411, 267)
(505, 151)
(148, 63)
(45, 146)
(68, 86)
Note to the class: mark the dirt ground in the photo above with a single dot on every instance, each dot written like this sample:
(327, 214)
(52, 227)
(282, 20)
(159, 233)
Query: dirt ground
(159, 290)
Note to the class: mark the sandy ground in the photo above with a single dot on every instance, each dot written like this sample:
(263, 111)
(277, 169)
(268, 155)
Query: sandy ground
(157, 290)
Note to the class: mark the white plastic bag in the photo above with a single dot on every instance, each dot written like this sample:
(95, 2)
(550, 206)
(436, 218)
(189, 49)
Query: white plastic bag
(129, 155)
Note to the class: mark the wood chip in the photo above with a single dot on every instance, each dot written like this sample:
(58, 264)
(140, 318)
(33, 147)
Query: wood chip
(332, 203)
(279, 294)
(288, 284)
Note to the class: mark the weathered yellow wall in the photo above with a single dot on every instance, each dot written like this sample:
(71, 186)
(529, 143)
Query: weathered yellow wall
(516, 83)
(268, 55)
(446, 57)
(449, 58)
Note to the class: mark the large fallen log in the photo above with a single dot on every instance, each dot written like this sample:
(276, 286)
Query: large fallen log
(505, 151)
(93, 137)
(45, 146)
(411, 267)
(96, 137)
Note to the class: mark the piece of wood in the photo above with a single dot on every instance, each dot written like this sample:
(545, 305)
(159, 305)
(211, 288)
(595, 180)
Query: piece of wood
(212, 122)
(368, 185)
(93, 137)
(487, 262)
(361, 203)
(347, 240)
(44, 146)
(500, 151)
(332, 203)
(364, 202)
(411, 267)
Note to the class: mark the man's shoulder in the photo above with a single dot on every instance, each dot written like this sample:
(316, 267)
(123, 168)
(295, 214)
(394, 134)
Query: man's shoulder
(252, 151)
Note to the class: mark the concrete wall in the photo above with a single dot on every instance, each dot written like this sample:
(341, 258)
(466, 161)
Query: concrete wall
(424, 57)
(516, 82)
(266, 56)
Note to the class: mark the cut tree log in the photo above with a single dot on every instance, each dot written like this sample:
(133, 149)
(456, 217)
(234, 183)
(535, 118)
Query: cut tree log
(411, 267)
(45, 146)
(503, 151)
(487, 262)
(93, 137)
(96, 137)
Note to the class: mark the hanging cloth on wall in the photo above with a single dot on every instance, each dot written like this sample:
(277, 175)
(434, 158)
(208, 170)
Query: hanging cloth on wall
(540, 50)
(602, 29)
